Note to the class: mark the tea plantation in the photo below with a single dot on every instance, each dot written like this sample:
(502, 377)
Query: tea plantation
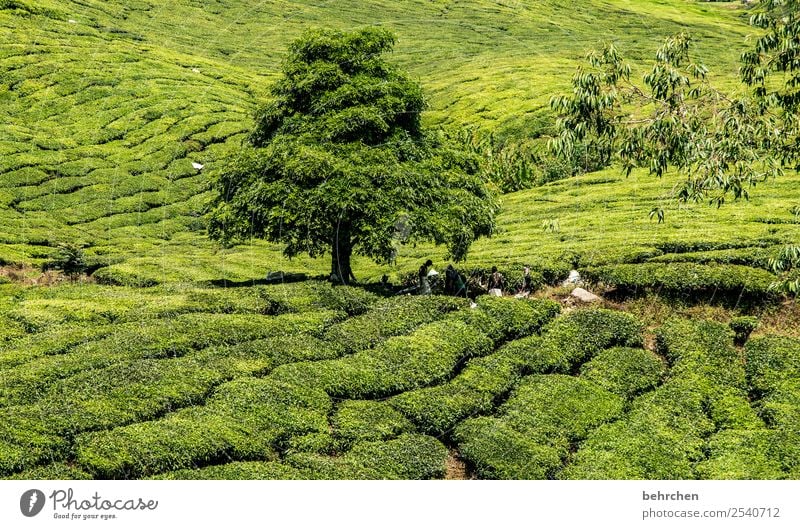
(173, 358)
(309, 381)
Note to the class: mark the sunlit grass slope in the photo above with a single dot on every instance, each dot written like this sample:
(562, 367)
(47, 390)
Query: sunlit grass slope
(105, 106)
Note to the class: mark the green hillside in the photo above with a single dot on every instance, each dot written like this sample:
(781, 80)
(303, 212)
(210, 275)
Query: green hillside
(105, 105)
(172, 360)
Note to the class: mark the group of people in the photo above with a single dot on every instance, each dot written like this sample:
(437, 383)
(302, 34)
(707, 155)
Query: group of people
(455, 284)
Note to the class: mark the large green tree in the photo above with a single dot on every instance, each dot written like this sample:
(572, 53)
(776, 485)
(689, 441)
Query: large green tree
(339, 163)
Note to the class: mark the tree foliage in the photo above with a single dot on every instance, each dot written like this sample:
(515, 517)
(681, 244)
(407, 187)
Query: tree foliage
(674, 118)
(338, 162)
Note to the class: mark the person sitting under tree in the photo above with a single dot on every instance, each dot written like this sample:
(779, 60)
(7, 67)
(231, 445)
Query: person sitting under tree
(496, 282)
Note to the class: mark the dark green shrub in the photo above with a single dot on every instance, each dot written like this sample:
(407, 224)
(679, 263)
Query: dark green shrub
(390, 317)
(239, 470)
(771, 360)
(436, 410)
(70, 259)
(424, 357)
(410, 456)
(357, 421)
(497, 451)
(244, 419)
(743, 326)
(624, 371)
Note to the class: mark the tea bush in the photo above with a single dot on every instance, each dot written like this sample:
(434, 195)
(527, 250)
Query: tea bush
(158, 339)
(244, 419)
(770, 361)
(624, 371)
(507, 318)
(426, 356)
(357, 421)
(547, 413)
(686, 278)
(238, 470)
(53, 471)
(390, 317)
(741, 454)
(436, 410)
(410, 456)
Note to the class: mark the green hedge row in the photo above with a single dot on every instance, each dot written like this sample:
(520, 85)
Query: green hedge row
(26, 442)
(410, 456)
(259, 357)
(536, 427)
(244, 419)
(685, 278)
(53, 471)
(238, 470)
(773, 369)
(139, 390)
(770, 361)
(741, 454)
(751, 257)
(425, 357)
(504, 319)
(625, 371)
(564, 343)
(390, 317)
(573, 339)
(664, 435)
(651, 442)
(703, 348)
(123, 393)
(406, 457)
(436, 410)
(50, 342)
(110, 306)
(288, 297)
(357, 421)
(159, 339)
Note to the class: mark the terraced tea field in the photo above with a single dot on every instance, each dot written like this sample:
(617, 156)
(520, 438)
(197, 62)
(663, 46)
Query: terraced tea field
(172, 359)
(106, 106)
(307, 381)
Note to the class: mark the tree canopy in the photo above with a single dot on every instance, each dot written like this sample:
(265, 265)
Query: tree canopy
(339, 162)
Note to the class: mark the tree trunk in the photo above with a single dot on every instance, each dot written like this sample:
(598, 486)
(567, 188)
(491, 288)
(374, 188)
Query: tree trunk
(342, 250)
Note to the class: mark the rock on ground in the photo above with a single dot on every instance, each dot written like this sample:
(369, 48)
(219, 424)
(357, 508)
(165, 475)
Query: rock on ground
(584, 295)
